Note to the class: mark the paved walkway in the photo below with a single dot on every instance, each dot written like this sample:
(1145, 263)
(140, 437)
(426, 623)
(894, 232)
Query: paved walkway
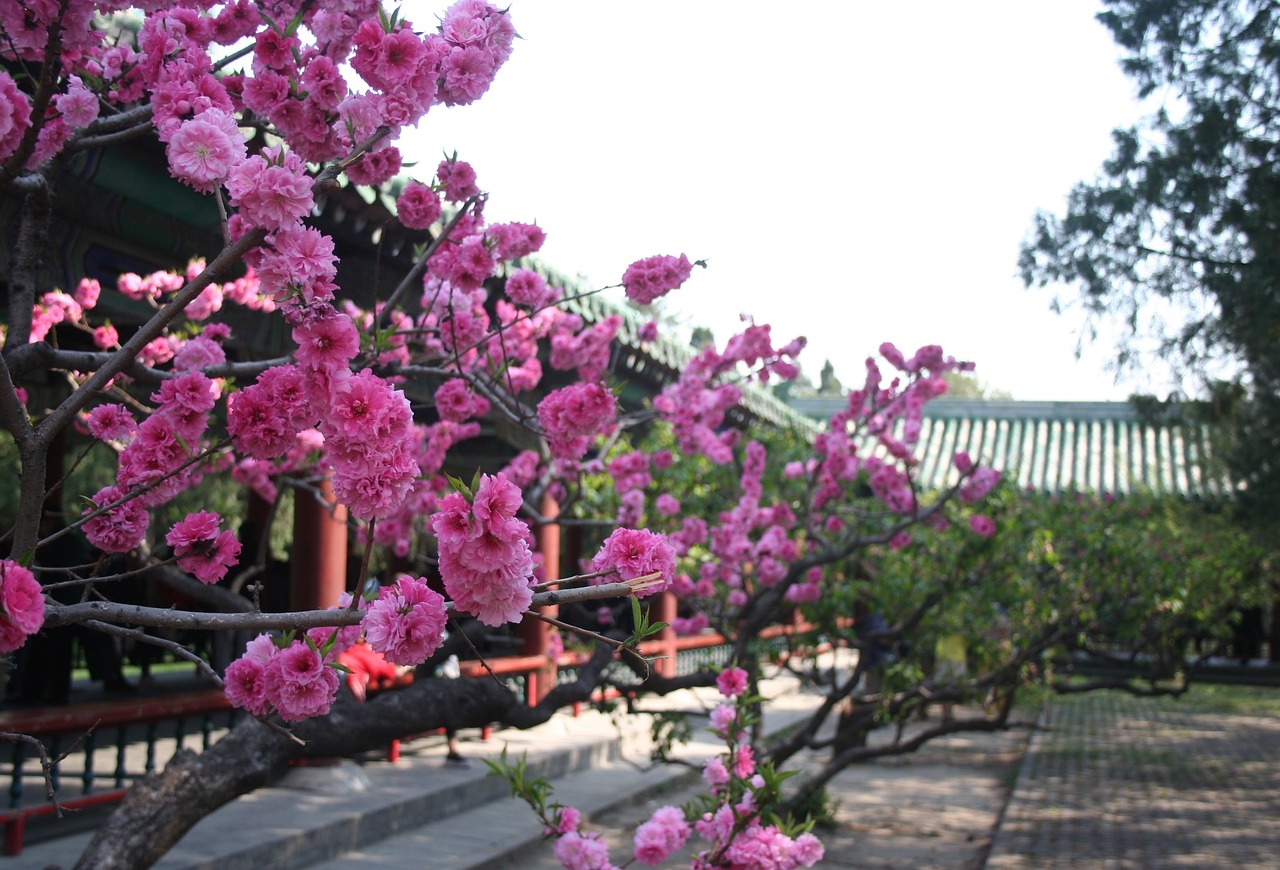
(1122, 782)
(1111, 782)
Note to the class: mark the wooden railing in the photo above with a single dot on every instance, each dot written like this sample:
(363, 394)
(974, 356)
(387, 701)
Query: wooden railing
(138, 735)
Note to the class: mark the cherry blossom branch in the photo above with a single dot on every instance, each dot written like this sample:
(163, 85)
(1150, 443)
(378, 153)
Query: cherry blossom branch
(162, 617)
(46, 765)
(97, 382)
(134, 492)
(141, 636)
(50, 71)
(578, 630)
(578, 578)
(327, 178)
(414, 276)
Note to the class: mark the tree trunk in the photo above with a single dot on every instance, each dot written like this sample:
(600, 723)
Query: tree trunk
(160, 809)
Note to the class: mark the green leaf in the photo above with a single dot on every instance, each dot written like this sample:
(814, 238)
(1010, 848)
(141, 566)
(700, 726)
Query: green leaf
(459, 486)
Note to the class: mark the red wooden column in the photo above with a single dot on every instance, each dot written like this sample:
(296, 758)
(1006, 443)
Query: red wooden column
(319, 573)
(534, 632)
(662, 608)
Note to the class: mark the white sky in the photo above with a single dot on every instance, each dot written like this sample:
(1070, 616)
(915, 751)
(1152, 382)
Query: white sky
(852, 172)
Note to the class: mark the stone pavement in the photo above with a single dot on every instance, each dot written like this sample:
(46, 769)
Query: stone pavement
(1122, 782)
(1111, 782)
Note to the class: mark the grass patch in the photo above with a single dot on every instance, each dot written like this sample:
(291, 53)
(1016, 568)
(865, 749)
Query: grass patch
(1223, 698)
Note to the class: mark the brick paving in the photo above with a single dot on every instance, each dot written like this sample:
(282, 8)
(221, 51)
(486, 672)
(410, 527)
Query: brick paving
(1123, 782)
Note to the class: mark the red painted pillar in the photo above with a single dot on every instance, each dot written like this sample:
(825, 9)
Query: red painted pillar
(662, 608)
(319, 573)
(534, 632)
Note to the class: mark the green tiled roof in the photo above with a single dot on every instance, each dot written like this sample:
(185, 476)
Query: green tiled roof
(1052, 447)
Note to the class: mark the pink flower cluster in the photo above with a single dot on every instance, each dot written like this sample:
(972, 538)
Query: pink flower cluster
(418, 207)
(577, 851)
(586, 350)
(732, 682)
(633, 553)
(763, 846)
(696, 404)
(201, 549)
(456, 402)
(653, 277)
(15, 115)
(981, 481)
(485, 558)
(118, 529)
(982, 525)
(406, 623)
(573, 415)
(292, 680)
(664, 832)
(22, 604)
(370, 443)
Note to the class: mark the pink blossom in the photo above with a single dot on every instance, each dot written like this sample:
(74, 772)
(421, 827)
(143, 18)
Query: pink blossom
(582, 852)
(245, 684)
(111, 423)
(648, 331)
(983, 525)
(485, 558)
(458, 180)
(257, 425)
(529, 289)
(298, 684)
(981, 482)
(406, 624)
(653, 277)
(399, 54)
(300, 260)
(418, 207)
(327, 341)
(191, 392)
(194, 528)
(803, 593)
(271, 195)
(203, 151)
(767, 848)
(365, 407)
(732, 682)
(456, 402)
(667, 505)
(635, 553)
(375, 167)
(23, 605)
(567, 819)
(119, 529)
(723, 717)
(15, 115)
(87, 292)
(274, 51)
(78, 106)
(714, 773)
(209, 559)
(198, 353)
(105, 337)
(576, 411)
(664, 832)
(467, 73)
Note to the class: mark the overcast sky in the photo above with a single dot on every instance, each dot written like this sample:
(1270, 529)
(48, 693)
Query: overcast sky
(852, 172)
